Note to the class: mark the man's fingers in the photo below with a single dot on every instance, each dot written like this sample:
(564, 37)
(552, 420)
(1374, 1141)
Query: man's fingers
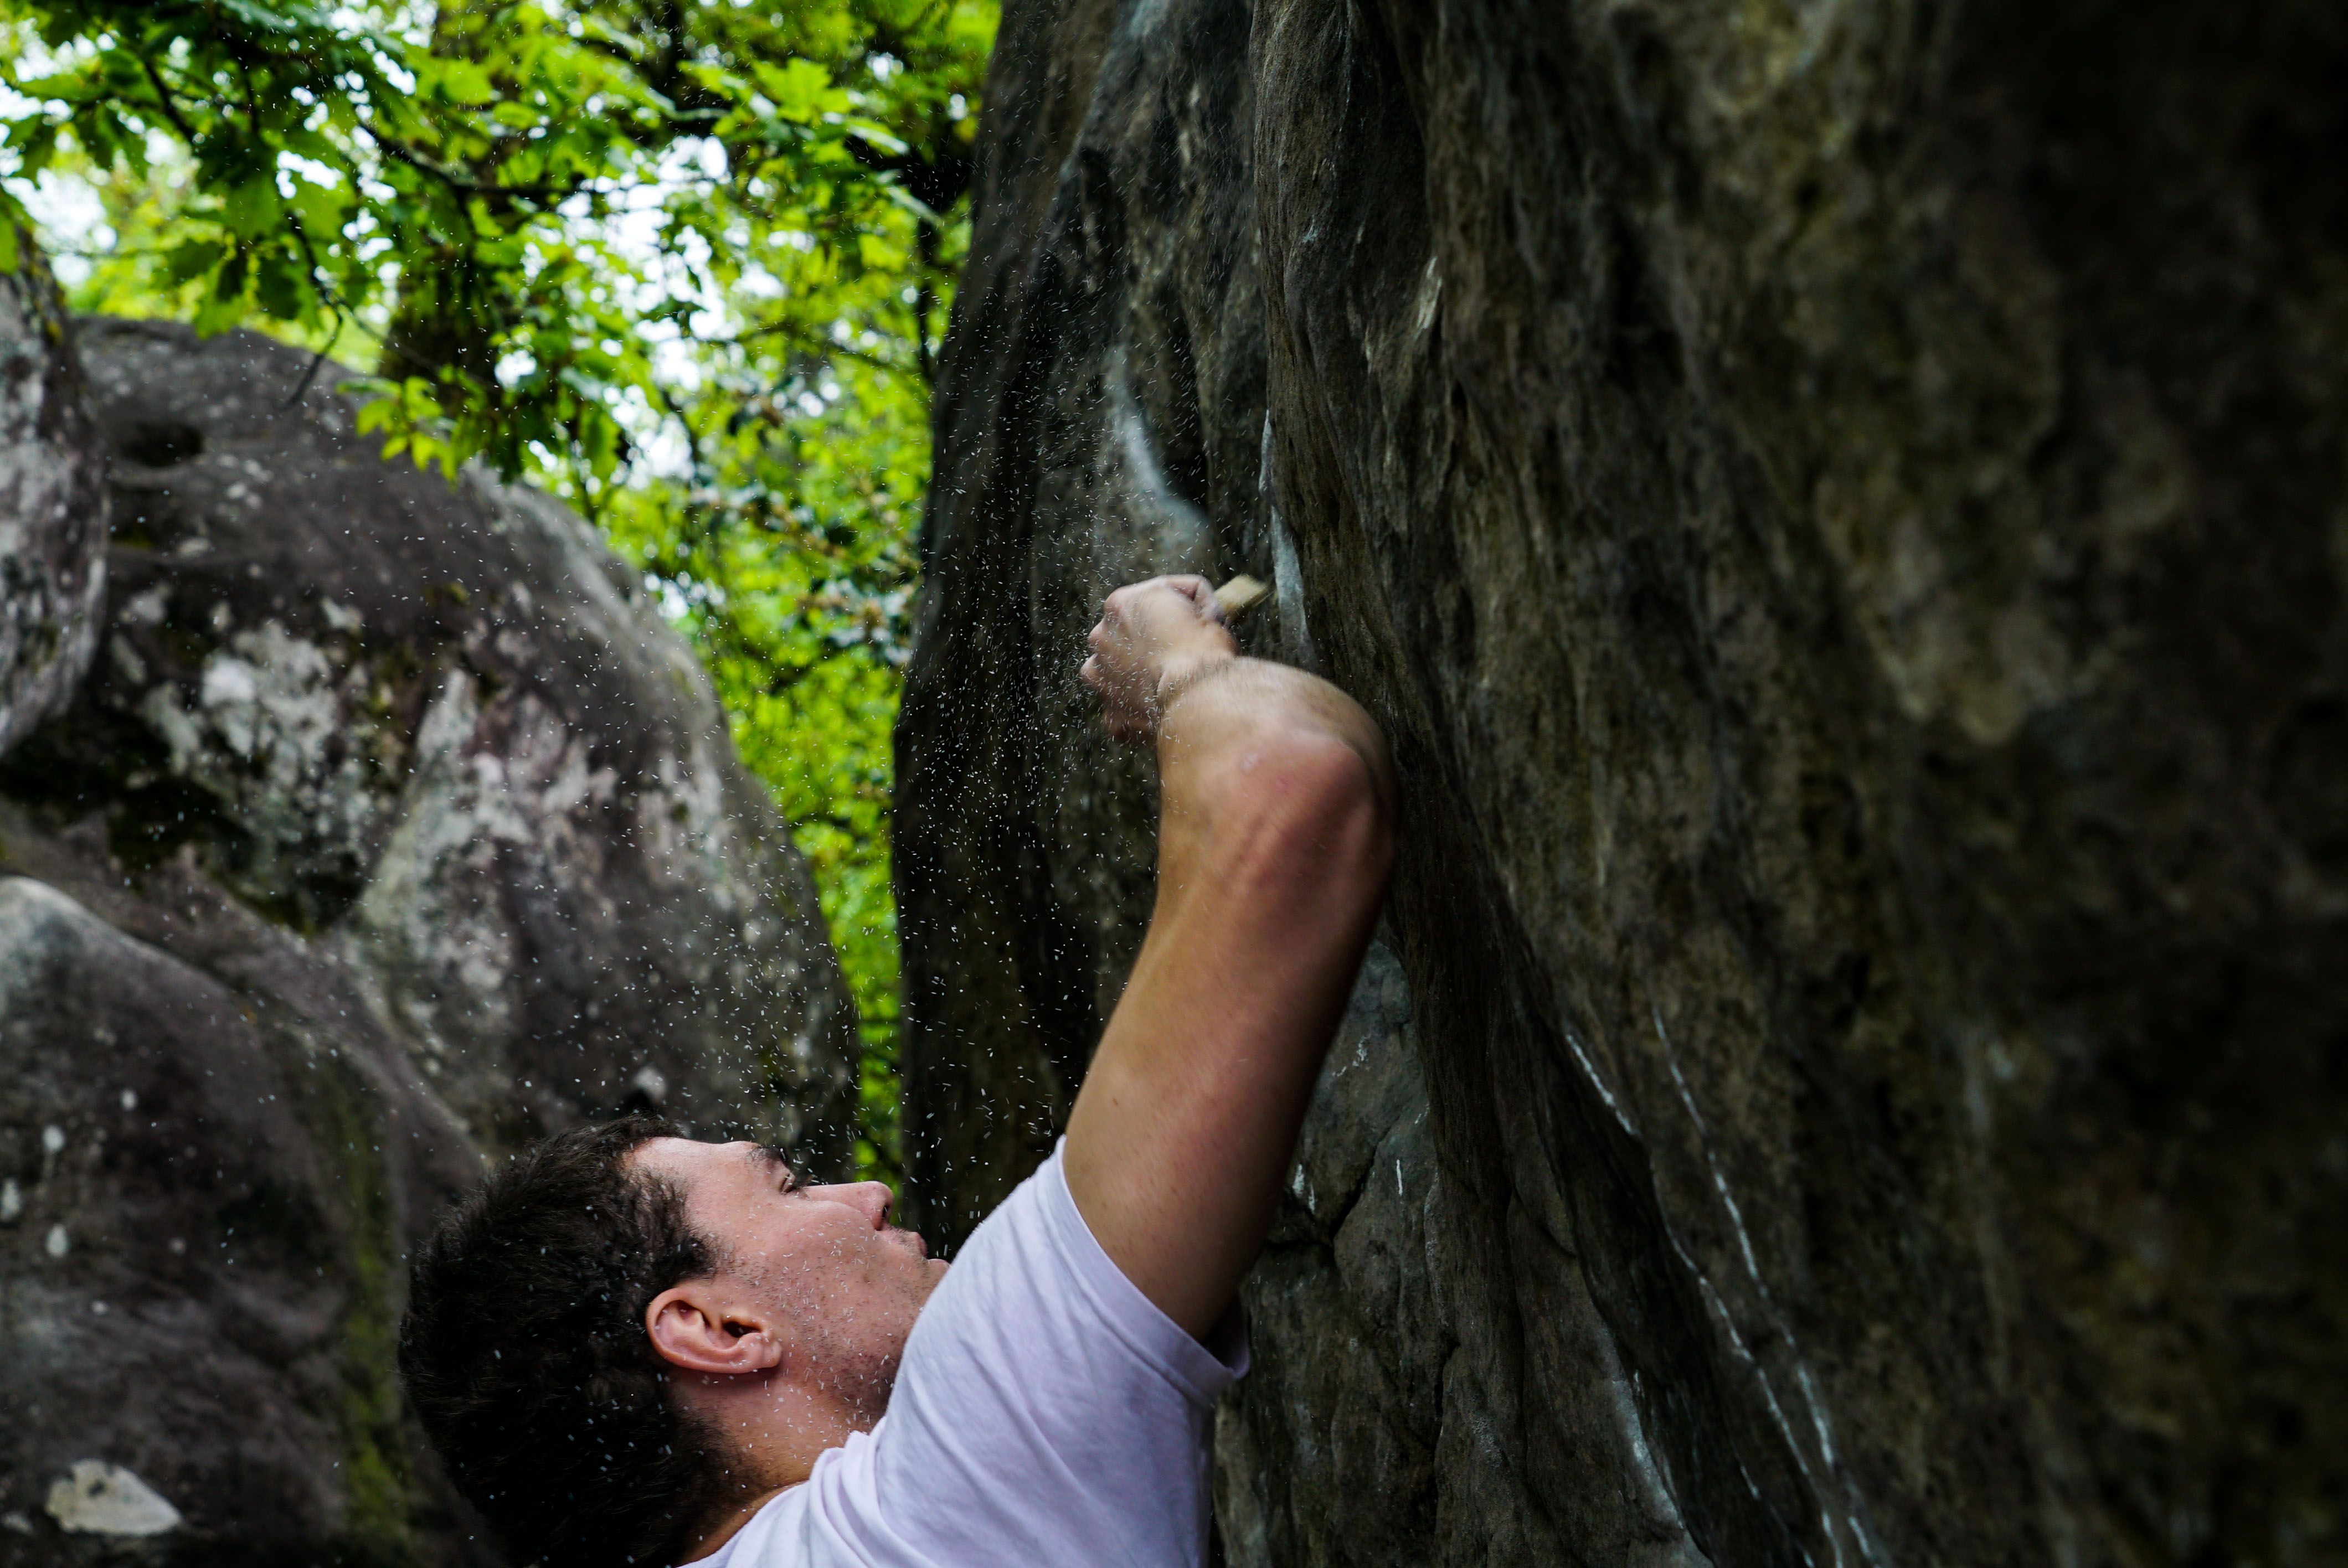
(1146, 628)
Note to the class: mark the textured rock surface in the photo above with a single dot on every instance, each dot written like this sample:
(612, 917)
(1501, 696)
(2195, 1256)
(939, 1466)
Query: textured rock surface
(209, 1192)
(1069, 431)
(390, 829)
(52, 505)
(1841, 511)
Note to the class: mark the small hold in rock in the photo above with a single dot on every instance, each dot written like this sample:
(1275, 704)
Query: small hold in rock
(162, 445)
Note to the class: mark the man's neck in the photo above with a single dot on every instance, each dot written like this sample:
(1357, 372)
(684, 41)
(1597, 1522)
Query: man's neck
(780, 1431)
(731, 1526)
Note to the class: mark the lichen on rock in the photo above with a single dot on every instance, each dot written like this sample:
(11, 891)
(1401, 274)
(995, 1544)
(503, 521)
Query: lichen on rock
(52, 504)
(100, 1498)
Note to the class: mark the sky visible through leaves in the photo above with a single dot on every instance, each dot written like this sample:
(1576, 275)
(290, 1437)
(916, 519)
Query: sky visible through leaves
(684, 264)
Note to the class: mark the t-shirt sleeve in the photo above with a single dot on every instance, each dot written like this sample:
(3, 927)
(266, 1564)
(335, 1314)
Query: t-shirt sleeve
(1045, 1412)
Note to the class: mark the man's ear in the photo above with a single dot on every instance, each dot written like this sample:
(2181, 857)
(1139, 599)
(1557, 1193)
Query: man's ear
(697, 1326)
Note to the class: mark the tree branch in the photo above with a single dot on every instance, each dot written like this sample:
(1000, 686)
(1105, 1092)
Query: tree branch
(937, 183)
(553, 195)
(813, 340)
(164, 101)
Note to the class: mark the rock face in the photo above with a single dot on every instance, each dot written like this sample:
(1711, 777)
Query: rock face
(390, 829)
(1073, 454)
(1841, 512)
(52, 504)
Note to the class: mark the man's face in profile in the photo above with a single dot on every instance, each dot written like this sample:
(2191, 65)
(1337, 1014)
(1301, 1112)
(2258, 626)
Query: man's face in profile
(821, 1260)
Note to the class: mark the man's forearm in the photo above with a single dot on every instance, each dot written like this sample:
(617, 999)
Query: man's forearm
(1274, 843)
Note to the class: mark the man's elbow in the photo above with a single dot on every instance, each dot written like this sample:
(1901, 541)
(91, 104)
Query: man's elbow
(1322, 816)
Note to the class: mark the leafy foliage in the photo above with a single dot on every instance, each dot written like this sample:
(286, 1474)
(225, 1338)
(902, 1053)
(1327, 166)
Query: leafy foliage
(683, 261)
(790, 552)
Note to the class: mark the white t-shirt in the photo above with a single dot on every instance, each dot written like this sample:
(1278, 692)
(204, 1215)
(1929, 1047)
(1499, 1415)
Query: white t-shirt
(1045, 1414)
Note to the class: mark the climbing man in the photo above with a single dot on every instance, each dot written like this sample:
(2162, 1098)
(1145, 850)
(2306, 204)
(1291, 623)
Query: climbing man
(634, 1349)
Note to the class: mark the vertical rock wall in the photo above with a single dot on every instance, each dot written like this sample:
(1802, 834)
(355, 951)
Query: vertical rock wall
(390, 829)
(1841, 511)
(1111, 299)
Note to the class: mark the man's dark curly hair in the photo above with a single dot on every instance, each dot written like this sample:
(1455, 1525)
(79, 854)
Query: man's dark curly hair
(525, 1355)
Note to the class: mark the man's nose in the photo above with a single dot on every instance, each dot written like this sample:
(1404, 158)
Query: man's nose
(873, 1200)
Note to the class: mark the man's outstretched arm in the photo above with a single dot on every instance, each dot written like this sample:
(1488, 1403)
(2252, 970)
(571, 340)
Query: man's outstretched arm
(1274, 842)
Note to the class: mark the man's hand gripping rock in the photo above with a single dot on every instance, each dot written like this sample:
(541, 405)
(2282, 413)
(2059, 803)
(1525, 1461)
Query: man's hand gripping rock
(1153, 640)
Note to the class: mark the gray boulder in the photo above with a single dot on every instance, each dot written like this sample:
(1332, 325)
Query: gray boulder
(443, 731)
(391, 829)
(1840, 515)
(206, 1208)
(52, 504)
